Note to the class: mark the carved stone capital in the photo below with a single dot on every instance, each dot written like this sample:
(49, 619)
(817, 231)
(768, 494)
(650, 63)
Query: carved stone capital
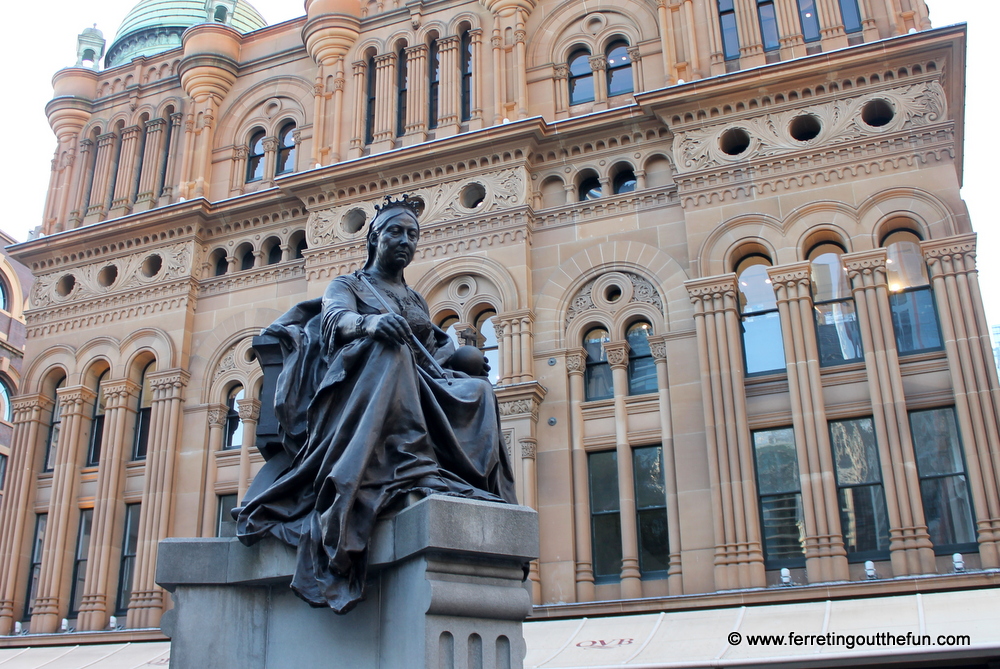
(119, 389)
(508, 441)
(617, 352)
(561, 71)
(518, 407)
(791, 281)
(217, 416)
(865, 268)
(72, 399)
(413, 52)
(950, 255)
(706, 291)
(155, 124)
(249, 409)
(496, 41)
(598, 63)
(241, 152)
(445, 43)
(528, 447)
(385, 60)
(130, 133)
(170, 381)
(24, 406)
(633, 53)
(338, 83)
(576, 361)
(658, 347)
(270, 143)
(520, 36)
(105, 140)
(359, 67)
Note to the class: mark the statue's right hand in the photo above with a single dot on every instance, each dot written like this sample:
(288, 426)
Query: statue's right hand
(391, 328)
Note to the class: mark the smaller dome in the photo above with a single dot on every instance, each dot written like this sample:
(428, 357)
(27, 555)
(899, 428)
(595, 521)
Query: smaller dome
(93, 32)
(155, 26)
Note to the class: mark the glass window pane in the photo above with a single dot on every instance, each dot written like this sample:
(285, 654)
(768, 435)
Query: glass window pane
(619, 71)
(756, 291)
(730, 36)
(641, 376)
(638, 339)
(855, 451)
(914, 320)
(579, 64)
(935, 437)
(777, 463)
(225, 526)
(852, 18)
(904, 263)
(607, 545)
(837, 333)
(768, 25)
(829, 278)
(603, 469)
(598, 383)
(784, 529)
(647, 466)
(863, 519)
(947, 510)
(809, 19)
(762, 343)
(653, 548)
(581, 90)
(592, 342)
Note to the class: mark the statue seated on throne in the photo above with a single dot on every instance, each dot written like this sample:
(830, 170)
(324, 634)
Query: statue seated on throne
(372, 403)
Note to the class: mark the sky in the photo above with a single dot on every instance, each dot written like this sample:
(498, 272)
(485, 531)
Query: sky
(39, 44)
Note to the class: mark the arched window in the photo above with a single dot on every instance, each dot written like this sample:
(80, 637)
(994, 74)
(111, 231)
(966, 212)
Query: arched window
(641, 366)
(245, 257)
(768, 24)
(370, 105)
(221, 264)
(53, 441)
(486, 341)
(619, 71)
(97, 423)
(809, 19)
(300, 247)
(851, 16)
(581, 78)
(140, 442)
(234, 426)
(762, 344)
(286, 150)
(448, 324)
(5, 409)
(401, 85)
(837, 333)
(590, 188)
(4, 296)
(255, 156)
(221, 14)
(624, 181)
(730, 35)
(597, 380)
(465, 69)
(914, 317)
(434, 84)
(274, 253)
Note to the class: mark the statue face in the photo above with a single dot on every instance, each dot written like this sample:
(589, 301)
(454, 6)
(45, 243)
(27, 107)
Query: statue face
(397, 242)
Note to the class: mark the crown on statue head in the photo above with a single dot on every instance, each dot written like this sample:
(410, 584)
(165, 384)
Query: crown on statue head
(414, 204)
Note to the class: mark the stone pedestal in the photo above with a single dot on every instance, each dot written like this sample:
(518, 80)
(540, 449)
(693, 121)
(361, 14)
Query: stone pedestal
(445, 592)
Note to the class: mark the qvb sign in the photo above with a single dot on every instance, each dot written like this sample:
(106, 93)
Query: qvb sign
(598, 644)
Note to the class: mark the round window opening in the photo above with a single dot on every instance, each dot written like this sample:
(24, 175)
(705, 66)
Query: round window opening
(463, 290)
(473, 196)
(877, 113)
(151, 266)
(734, 141)
(65, 285)
(107, 276)
(354, 220)
(613, 293)
(805, 127)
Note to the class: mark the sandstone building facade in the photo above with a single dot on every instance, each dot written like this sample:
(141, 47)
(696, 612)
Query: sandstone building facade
(715, 249)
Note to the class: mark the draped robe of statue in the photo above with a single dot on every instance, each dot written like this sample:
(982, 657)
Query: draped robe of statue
(366, 423)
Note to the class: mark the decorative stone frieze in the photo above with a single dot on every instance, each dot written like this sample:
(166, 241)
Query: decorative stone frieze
(633, 288)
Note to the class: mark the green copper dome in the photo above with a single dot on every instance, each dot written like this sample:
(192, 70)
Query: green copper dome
(155, 26)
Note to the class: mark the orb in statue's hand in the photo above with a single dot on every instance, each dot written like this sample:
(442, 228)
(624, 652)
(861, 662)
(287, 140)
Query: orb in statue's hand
(468, 359)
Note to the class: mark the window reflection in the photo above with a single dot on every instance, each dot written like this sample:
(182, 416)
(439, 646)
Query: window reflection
(914, 316)
(837, 334)
(486, 341)
(780, 496)
(255, 157)
(763, 350)
(641, 366)
(581, 78)
(864, 520)
(619, 69)
(597, 377)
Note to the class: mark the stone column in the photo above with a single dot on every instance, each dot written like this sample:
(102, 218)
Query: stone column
(910, 546)
(529, 478)
(270, 145)
(151, 162)
(171, 160)
(675, 582)
(790, 29)
(52, 597)
(338, 111)
(716, 57)
(450, 86)
(826, 558)
(599, 66)
(82, 184)
(121, 202)
(239, 177)
(147, 601)
(748, 28)
(831, 25)
(416, 109)
(521, 65)
(217, 414)
(693, 56)
(560, 80)
(100, 188)
(952, 262)
(631, 578)
(385, 102)
(868, 25)
(667, 41)
(499, 90)
(478, 73)
(502, 327)
(739, 559)
(576, 362)
(360, 68)
(249, 415)
(98, 600)
(638, 83)
(31, 414)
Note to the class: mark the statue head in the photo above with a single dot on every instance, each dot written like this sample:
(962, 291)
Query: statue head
(384, 214)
